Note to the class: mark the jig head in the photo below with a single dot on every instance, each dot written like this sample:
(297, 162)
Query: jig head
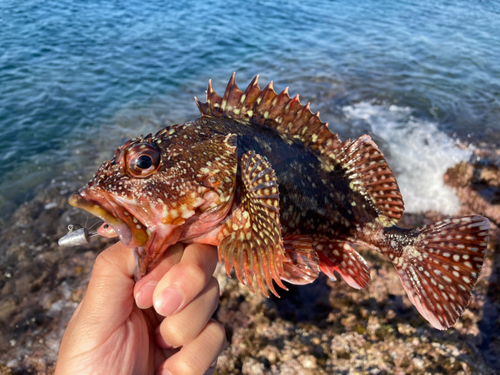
(77, 235)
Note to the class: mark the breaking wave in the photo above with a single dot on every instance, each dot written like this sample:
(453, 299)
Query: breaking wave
(417, 151)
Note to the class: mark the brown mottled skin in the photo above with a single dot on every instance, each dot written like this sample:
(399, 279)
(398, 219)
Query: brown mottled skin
(304, 206)
(266, 181)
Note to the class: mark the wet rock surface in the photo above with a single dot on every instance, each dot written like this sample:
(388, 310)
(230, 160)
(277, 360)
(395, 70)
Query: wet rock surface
(40, 282)
(323, 328)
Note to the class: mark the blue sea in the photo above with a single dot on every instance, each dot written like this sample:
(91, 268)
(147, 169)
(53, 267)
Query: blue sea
(77, 78)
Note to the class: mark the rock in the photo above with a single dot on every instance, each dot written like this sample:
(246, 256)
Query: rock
(38, 280)
(252, 367)
(478, 188)
(323, 328)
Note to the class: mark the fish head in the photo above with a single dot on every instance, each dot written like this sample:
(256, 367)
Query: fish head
(160, 189)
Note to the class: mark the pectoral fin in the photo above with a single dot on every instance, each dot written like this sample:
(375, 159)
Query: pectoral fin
(251, 236)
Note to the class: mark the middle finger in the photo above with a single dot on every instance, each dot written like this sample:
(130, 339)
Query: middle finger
(183, 327)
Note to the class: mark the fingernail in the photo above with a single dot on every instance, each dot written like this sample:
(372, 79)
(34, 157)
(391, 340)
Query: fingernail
(144, 296)
(169, 302)
(165, 372)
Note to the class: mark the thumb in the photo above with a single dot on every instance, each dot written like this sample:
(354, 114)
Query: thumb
(109, 300)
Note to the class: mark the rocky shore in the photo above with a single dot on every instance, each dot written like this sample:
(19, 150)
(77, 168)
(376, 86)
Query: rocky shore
(323, 328)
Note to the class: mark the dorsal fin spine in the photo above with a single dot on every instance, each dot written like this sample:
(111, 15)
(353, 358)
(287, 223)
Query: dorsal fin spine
(361, 159)
(265, 107)
(277, 111)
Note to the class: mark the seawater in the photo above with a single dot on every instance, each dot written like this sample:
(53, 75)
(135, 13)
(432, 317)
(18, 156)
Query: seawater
(79, 78)
(418, 151)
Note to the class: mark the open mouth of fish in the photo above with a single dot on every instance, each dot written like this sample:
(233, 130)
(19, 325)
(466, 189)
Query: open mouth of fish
(130, 231)
(147, 238)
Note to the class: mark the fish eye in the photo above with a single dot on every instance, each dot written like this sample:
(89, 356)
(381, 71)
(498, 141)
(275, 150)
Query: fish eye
(142, 160)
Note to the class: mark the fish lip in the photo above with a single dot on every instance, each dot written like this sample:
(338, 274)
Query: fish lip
(99, 204)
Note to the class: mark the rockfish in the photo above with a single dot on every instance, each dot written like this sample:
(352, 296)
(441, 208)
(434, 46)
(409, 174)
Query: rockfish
(264, 179)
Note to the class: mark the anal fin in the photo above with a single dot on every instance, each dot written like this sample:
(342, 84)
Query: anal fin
(341, 257)
(302, 262)
(250, 238)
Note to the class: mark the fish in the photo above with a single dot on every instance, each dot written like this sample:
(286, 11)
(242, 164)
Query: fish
(260, 176)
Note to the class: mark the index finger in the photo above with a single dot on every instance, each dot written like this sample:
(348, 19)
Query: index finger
(144, 288)
(184, 281)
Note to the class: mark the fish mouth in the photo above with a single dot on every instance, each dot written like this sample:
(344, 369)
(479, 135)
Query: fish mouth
(147, 244)
(131, 233)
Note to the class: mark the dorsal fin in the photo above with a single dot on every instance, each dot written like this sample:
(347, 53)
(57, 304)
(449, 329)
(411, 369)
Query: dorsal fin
(265, 107)
(363, 162)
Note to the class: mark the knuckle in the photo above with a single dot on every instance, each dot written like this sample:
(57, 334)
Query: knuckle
(166, 263)
(213, 291)
(185, 367)
(214, 284)
(192, 272)
(103, 263)
(216, 330)
(175, 334)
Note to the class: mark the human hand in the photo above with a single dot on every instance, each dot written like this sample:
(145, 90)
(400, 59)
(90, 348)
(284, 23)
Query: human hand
(116, 329)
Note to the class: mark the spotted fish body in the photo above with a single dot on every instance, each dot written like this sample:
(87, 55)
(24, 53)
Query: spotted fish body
(261, 177)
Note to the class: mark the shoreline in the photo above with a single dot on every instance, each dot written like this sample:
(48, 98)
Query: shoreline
(315, 329)
(35, 175)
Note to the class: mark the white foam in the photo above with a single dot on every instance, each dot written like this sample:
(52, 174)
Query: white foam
(417, 152)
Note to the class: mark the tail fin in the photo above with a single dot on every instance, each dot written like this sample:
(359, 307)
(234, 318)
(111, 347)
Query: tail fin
(439, 264)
